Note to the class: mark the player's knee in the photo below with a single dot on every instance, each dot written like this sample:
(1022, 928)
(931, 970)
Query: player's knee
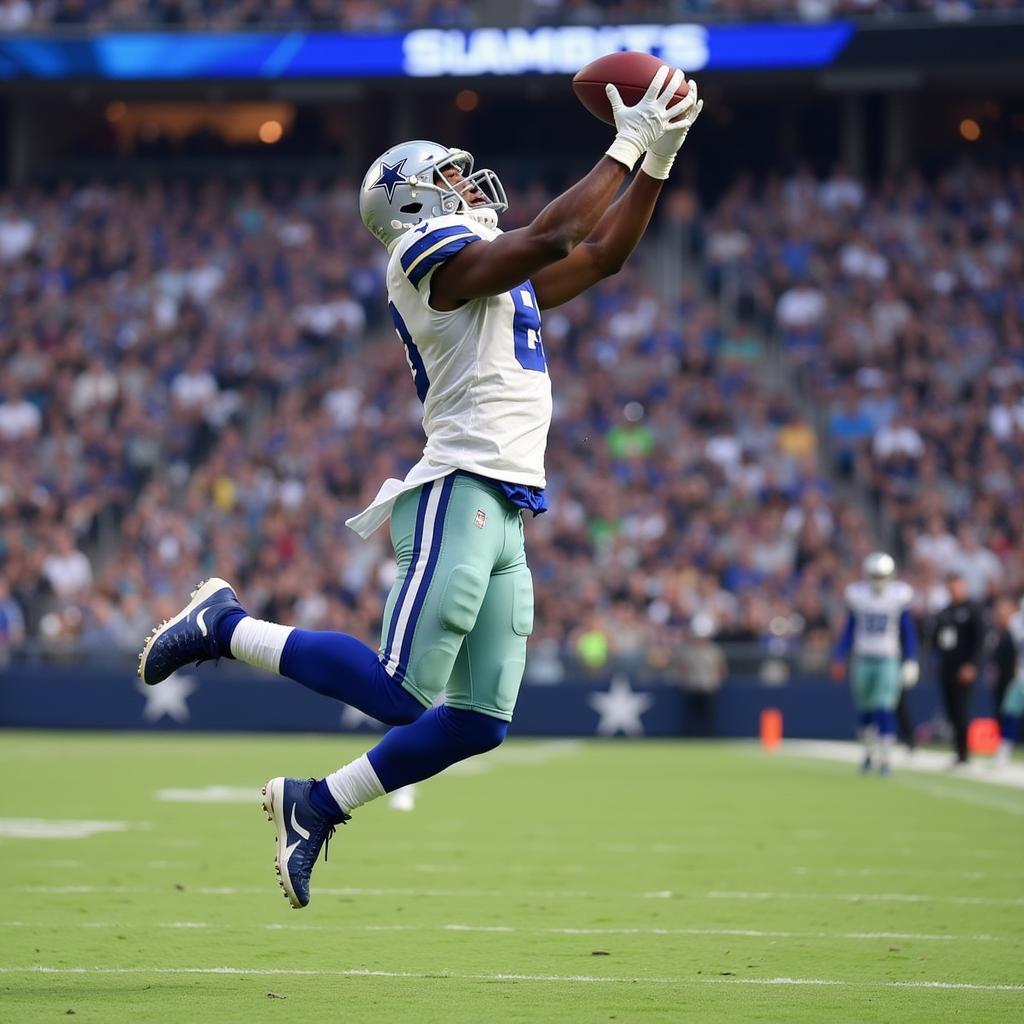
(474, 732)
(400, 707)
(406, 710)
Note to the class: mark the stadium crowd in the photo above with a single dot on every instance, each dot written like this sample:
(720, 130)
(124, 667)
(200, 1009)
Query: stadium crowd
(363, 15)
(200, 381)
(902, 310)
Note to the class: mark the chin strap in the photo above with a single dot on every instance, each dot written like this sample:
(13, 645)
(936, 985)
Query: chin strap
(488, 218)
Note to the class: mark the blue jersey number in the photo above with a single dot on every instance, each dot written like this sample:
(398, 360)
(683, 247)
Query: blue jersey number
(875, 623)
(412, 354)
(526, 328)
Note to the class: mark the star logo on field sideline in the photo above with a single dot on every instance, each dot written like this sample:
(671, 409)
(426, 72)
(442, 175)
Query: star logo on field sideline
(390, 178)
(170, 698)
(620, 709)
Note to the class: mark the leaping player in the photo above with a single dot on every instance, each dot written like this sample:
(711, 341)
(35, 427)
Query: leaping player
(466, 302)
(880, 631)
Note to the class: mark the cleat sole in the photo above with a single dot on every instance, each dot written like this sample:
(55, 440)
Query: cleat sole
(273, 804)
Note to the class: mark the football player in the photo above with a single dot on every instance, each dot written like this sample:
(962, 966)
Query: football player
(1012, 706)
(466, 302)
(880, 632)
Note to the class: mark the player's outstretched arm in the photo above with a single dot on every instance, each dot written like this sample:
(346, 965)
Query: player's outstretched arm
(490, 268)
(617, 233)
(605, 250)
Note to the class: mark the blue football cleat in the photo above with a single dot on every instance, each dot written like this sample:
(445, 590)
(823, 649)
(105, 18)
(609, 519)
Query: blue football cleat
(191, 636)
(301, 831)
(884, 770)
(865, 765)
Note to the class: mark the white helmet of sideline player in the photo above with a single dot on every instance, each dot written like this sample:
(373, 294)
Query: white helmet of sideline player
(878, 569)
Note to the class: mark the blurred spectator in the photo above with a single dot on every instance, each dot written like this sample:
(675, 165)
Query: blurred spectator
(12, 623)
(979, 567)
(66, 568)
(702, 671)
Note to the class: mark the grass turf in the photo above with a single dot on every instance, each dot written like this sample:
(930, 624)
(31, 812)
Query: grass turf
(557, 882)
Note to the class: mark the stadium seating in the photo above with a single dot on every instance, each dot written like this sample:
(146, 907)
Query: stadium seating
(363, 16)
(198, 381)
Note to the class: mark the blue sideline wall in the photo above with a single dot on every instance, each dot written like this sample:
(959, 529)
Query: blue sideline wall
(227, 698)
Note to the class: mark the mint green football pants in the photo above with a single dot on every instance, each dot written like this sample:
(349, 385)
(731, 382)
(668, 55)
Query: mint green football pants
(461, 608)
(1013, 699)
(875, 683)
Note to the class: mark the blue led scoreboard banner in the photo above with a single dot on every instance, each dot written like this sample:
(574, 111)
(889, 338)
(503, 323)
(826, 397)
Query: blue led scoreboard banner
(424, 53)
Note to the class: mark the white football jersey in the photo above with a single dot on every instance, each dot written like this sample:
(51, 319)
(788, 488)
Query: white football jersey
(1016, 629)
(479, 370)
(876, 632)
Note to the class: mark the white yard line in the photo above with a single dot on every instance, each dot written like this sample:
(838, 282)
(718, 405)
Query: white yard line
(916, 872)
(754, 933)
(546, 894)
(402, 891)
(529, 754)
(362, 972)
(867, 897)
(46, 828)
(927, 762)
(978, 797)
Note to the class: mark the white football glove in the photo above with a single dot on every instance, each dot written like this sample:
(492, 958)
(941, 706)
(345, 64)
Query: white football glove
(910, 672)
(662, 153)
(641, 125)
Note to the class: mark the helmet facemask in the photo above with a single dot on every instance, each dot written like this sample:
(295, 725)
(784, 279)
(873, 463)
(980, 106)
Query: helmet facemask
(454, 197)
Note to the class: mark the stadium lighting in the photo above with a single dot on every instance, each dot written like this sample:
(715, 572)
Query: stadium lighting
(270, 132)
(970, 129)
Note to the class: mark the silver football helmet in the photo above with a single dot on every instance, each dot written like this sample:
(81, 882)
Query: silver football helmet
(878, 569)
(406, 186)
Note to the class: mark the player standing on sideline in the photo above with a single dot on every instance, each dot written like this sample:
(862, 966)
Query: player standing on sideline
(958, 636)
(1011, 704)
(1003, 650)
(880, 633)
(465, 300)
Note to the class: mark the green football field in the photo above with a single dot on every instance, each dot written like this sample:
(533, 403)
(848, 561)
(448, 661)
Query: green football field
(555, 881)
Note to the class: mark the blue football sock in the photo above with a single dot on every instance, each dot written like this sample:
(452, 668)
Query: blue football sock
(225, 628)
(1008, 727)
(342, 667)
(321, 799)
(865, 718)
(439, 738)
(885, 722)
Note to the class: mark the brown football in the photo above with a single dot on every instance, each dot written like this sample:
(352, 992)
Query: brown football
(630, 72)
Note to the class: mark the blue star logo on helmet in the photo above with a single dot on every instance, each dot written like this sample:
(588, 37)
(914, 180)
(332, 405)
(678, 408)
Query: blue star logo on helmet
(390, 178)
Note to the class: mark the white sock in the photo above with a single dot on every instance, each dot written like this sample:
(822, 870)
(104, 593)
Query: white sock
(869, 736)
(259, 643)
(1004, 752)
(355, 784)
(887, 739)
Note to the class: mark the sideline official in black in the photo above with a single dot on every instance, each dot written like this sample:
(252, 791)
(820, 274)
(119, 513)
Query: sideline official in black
(958, 638)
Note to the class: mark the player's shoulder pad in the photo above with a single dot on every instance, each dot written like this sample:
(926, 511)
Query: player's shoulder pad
(425, 247)
(854, 594)
(903, 593)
